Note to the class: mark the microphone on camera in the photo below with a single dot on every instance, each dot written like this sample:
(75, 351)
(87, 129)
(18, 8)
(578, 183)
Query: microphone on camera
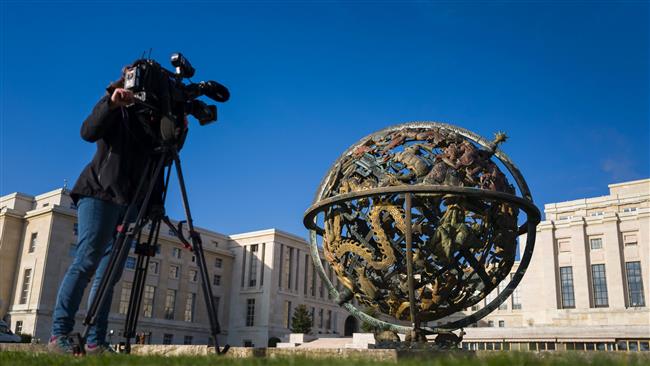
(214, 91)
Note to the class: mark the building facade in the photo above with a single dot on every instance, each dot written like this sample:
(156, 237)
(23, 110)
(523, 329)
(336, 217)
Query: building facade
(587, 283)
(586, 286)
(257, 279)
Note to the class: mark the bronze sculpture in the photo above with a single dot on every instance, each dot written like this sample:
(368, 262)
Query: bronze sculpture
(419, 222)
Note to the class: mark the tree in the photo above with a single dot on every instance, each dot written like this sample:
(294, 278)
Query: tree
(301, 320)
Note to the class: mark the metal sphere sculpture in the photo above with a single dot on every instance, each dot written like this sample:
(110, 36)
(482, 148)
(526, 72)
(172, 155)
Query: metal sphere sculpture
(418, 222)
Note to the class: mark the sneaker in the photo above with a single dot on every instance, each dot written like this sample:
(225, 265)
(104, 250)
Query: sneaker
(99, 349)
(60, 344)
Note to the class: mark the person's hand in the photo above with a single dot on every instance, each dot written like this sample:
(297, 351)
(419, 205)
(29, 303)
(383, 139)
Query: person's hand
(121, 98)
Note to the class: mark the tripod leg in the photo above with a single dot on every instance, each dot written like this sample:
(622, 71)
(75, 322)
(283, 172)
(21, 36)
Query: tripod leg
(145, 252)
(121, 245)
(197, 247)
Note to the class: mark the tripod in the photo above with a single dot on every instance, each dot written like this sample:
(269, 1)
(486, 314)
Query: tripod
(143, 208)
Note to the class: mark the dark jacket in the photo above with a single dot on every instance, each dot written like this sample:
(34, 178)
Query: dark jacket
(123, 150)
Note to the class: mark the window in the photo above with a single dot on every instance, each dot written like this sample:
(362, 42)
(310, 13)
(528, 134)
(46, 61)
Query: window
(248, 343)
(321, 286)
(215, 243)
(502, 286)
(262, 266)
(168, 338)
(475, 307)
(328, 323)
(176, 253)
(187, 340)
(599, 282)
(329, 276)
(147, 301)
(170, 304)
(243, 266)
(125, 295)
(193, 275)
(629, 209)
(154, 267)
(193, 259)
(516, 298)
(73, 206)
(280, 275)
(218, 262)
(173, 271)
(490, 323)
(189, 307)
(313, 316)
(287, 314)
(490, 297)
(27, 280)
(170, 232)
(290, 268)
(644, 346)
(252, 270)
(563, 246)
(596, 243)
(75, 229)
(19, 327)
(306, 273)
(130, 263)
(216, 280)
(297, 276)
(566, 288)
(313, 280)
(629, 239)
(250, 312)
(320, 318)
(32, 242)
(634, 284)
(502, 323)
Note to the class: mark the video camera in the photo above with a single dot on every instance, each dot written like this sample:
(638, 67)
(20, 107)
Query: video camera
(162, 95)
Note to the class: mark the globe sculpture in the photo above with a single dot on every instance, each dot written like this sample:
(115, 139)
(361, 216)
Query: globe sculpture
(418, 221)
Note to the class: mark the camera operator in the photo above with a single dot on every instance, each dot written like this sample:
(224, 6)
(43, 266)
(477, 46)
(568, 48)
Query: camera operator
(102, 193)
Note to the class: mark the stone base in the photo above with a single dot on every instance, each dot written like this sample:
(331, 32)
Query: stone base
(248, 352)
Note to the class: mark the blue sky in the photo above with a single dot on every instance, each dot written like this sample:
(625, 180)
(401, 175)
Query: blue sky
(568, 82)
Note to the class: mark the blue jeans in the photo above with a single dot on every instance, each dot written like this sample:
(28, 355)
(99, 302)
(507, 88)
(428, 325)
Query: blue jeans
(97, 225)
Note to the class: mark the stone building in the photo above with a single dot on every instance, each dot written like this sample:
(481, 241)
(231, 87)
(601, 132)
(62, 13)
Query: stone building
(255, 299)
(587, 284)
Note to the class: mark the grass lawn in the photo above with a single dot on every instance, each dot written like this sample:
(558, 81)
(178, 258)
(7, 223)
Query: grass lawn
(11, 358)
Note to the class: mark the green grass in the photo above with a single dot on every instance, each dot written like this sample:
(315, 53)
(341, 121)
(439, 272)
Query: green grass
(11, 358)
